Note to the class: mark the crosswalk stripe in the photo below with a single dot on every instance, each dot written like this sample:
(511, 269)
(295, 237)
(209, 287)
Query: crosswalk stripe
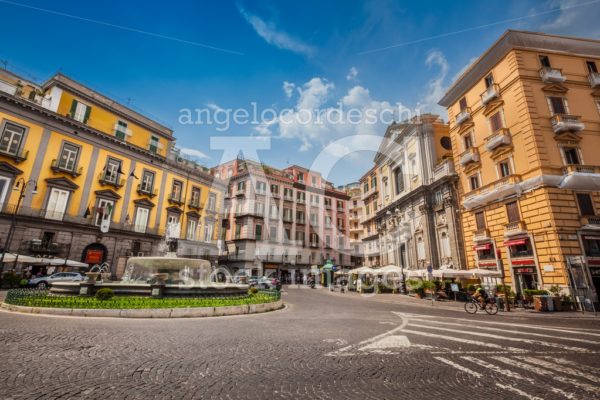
(535, 369)
(498, 369)
(512, 339)
(568, 371)
(459, 367)
(518, 391)
(511, 331)
(463, 341)
(564, 361)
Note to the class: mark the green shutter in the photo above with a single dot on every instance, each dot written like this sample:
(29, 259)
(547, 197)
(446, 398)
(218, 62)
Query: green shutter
(73, 108)
(88, 110)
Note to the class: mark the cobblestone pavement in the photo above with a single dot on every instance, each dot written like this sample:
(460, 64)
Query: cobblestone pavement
(320, 347)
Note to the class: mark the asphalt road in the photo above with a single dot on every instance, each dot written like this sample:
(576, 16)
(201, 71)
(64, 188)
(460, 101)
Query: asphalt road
(322, 346)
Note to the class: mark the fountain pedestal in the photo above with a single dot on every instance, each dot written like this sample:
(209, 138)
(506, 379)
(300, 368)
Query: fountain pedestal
(86, 288)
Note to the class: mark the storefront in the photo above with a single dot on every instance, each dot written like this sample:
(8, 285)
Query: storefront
(591, 247)
(486, 255)
(270, 270)
(523, 265)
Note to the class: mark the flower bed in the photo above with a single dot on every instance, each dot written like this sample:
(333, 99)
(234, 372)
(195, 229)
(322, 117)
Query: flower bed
(41, 298)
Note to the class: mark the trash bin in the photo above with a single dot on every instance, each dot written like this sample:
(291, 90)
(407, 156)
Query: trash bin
(540, 303)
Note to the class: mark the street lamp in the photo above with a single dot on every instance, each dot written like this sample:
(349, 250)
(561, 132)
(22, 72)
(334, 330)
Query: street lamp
(21, 187)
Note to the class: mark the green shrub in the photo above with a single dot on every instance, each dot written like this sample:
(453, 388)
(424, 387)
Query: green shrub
(429, 285)
(555, 290)
(471, 287)
(105, 294)
(535, 292)
(23, 282)
(253, 290)
(10, 279)
(413, 284)
(500, 288)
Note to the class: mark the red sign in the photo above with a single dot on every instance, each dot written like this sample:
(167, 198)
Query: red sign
(593, 262)
(515, 242)
(524, 270)
(487, 264)
(482, 247)
(94, 256)
(523, 262)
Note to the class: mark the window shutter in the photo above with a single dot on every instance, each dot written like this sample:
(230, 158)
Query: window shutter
(512, 211)
(558, 105)
(73, 108)
(496, 121)
(480, 220)
(86, 117)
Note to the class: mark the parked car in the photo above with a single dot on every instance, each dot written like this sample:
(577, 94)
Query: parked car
(264, 282)
(43, 282)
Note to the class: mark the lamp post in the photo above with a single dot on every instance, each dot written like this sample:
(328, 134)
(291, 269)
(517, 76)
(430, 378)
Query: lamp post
(21, 186)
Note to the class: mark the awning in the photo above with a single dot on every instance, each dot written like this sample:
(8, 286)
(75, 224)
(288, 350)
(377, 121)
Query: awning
(588, 237)
(11, 257)
(515, 242)
(486, 246)
(62, 262)
(362, 271)
(523, 262)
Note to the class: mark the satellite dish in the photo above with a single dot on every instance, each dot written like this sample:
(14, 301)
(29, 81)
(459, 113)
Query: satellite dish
(446, 142)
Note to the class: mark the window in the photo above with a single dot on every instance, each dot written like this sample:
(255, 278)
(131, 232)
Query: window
(259, 209)
(68, 157)
(340, 222)
(340, 205)
(300, 217)
(545, 61)
(496, 121)
(229, 172)
(121, 130)
(141, 219)
(327, 241)
(522, 249)
(374, 183)
(273, 233)
(327, 202)
(209, 227)
(591, 245)
(147, 183)
(512, 212)
(340, 242)
(212, 202)
(366, 187)
(300, 237)
(191, 229)
(103, 211)
(367, 209)
(80, 112)
(314, 199)
(313, 179)
(462, 103)
(300, 197)
(57, 204)
(173, 227)
(314, 219)
(273, 212)
(12, 135)
(489, 81)
(154, 144)
(261, 187)
(468, 141)
(586, 206)
(474, 182)
(300, 177)
(504, 169)
(480, 220)
(327, 221)
(591, 66)
(176, 190)
(287, 233)
(314, 239)
(558, 105)
(238, 231)
(112, 170)
(398, 180)
(287, 214)
(241, 186)
(275, 189)
(288, 193)
(195, 197)
(571, 155)
(4, 185)
(258, 232)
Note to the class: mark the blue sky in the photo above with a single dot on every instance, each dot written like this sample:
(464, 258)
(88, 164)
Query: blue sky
(168, 56)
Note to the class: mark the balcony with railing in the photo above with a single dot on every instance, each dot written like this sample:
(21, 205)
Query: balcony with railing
(443, 169)
(594, 78)
(18, 156)
(481, 234)
(111, 180)
(175, 198)
(39, 247)
(471, 155)
(57, 168)
(499, 138)
(9, 88)
(490, 94)
(146, 191)
(194, 204)
(566, 123)
(552, 75)
(122, 132)
(580, 177)
(240, 191)
(463, 116)
(590, 220)
(514, 228)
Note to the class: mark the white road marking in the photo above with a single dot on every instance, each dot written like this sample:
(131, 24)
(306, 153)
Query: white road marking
(555, 367)
(498, 369)
(518, 391)
(540, 371)
(564, 361)
(510, 331)
(459, 367)
(512, 339)
(464, 341)
(388, 342)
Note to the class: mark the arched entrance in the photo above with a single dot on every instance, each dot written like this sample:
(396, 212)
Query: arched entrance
(94, 253)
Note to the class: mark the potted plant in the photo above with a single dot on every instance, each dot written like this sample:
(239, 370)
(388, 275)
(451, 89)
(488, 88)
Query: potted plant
(429, 287)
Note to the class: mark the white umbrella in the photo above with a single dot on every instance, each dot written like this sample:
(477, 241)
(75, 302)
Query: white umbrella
(484, 272)
(11, 257)
(57, 262)
(416, 273)
(362, 271)
(390, 269)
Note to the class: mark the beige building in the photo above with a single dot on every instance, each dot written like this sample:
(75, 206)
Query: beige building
(369, 184)
(525, 128)
(355, 227)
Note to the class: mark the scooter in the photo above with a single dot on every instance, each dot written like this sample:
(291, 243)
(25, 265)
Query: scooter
(312, 284)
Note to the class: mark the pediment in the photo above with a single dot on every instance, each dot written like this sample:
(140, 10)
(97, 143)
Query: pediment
(62, 183)
(501, 151)
(567, 137)
(144, 203)
(470, 168)
(465, 127)
(596, 93)
(174, 210)
(193, 214)
(555, 88)
(492, 106)
(7, 169)
(107, 193)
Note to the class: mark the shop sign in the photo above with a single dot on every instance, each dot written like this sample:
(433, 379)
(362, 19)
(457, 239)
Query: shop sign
(595, 271)
(548, 268)
(523, 262)
(454, 286)
(487, 264)
(588, 237)
(515, 242)
(94, 256)
(482, 247)
(524, 270)
(594, 262)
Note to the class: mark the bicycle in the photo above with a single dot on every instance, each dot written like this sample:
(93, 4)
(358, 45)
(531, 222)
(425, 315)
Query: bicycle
(489, 305)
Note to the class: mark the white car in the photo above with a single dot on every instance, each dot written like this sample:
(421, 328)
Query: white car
(44, 281)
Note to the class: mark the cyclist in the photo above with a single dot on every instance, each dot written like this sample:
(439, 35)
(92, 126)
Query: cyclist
(480, 295)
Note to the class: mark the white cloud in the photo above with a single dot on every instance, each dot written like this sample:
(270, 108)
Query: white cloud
(194, 153)
(575, 18)
(352, 74)
(278, 38)
(288, 88)
(314, 93)
(436, 87)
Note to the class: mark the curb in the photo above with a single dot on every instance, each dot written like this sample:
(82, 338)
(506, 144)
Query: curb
(149, 312)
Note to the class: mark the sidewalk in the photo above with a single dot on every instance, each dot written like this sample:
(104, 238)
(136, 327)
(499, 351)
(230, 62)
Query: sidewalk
(452, 305)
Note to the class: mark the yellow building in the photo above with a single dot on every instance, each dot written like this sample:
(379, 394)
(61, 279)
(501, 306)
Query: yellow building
(525, 128)
(108, 180)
